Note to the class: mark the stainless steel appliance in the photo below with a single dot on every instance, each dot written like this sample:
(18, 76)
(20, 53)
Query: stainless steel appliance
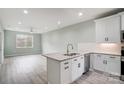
(86, 62)
(122, 63)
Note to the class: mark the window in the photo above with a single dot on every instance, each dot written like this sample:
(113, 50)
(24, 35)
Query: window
(24, 41)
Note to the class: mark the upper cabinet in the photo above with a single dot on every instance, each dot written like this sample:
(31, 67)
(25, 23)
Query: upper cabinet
(108, 29)
(122, 22)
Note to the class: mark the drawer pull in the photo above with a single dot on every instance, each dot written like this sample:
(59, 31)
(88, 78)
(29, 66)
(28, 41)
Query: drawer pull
(79, 65)
(81, 57)
(98, 55)
(75, 59)
(65, 63)
(104, 61)
(66, 67)
(112, 57)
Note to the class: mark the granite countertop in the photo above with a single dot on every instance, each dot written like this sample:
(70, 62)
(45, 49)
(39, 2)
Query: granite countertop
(60, 56)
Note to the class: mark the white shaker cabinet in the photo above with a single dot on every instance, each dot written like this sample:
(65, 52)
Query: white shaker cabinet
(113, 65)
(81, 59)
(108, 29)
(122, 22)
(77, 67)
(74, 69)
(99, 63)
(107, 63)
(65, 73)
(58, 72)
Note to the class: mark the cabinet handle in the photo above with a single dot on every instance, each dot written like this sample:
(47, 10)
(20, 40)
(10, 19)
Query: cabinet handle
(66, 67)
(65, 63)
(106, 39)
(104, 61)
(81, 57)
(99, 55)
(112, 57)
(79, 65)
(75, 59)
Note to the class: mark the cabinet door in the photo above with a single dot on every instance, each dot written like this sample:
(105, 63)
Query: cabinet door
(113, 29)
(113, 65)
(99, 62)
(80, 65)
(100, 31)
(66, 72)
(92, 59)
(81, 59)
(74, 69)
(108, 29)
(122, 22)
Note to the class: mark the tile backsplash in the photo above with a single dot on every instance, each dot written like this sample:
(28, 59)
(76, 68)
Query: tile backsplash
(109, 48)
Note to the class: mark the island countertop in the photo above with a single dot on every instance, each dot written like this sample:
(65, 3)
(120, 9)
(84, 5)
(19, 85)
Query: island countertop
(60, 56)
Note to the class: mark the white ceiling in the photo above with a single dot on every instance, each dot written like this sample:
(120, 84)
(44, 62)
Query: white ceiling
(45, 19)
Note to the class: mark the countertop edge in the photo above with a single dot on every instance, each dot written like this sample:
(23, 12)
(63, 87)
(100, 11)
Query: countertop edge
(63, 59)
(81, 54)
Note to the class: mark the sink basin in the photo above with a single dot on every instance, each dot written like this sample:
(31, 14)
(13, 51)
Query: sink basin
(71, 54)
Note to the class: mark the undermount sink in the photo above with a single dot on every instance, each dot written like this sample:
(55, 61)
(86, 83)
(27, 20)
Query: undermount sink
(71, 54)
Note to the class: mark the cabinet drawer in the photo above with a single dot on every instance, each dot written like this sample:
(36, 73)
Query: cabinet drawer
(75, 59)
(113, 57)
(65, 72)
(65, 63)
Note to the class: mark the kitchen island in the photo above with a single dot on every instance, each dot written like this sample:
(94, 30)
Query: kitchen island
(63, 69)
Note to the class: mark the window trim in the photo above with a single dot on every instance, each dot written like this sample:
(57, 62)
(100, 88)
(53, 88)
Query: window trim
(25, 45)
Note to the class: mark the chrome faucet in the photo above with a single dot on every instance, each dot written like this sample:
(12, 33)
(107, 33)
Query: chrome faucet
(68, 47)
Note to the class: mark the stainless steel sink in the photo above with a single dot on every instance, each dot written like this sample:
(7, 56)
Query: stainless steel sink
(71, 54)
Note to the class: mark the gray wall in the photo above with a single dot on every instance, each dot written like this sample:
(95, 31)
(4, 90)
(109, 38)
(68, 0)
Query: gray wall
(10, 44)
(57, 40)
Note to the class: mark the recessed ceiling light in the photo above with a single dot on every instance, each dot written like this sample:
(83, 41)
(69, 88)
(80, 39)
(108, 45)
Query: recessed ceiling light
(19, 23)
(80, 14)
(25, 12)
(59, 22)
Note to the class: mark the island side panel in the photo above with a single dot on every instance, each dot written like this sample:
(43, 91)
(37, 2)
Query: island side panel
(53, 71)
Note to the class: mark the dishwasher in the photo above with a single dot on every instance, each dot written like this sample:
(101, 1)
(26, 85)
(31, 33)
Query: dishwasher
(86, 62)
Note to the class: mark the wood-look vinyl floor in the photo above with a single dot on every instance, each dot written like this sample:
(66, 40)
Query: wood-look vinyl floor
(24, 70)
(31, 69)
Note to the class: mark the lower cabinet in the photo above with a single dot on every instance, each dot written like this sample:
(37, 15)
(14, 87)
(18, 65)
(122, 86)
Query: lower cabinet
(107, 63)
(66, 71)
(98, 63)
(77, 68)
(113, 65)
(82, 66)
(65, 68)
